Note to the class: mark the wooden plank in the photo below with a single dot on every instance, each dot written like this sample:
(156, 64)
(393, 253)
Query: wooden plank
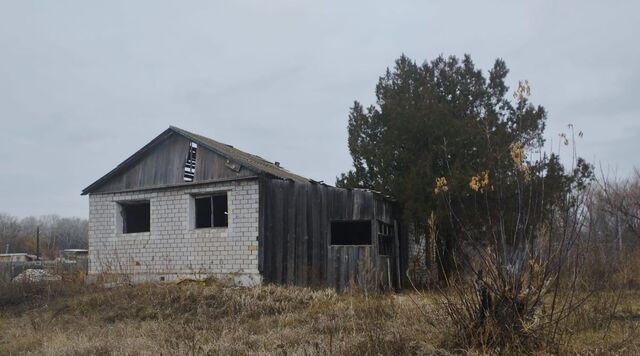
(329, 281)
(273, 238)
(383, 211)
(311, 242)
(268, 232)
(290, 227)
(211, 165)
(396, 255)
(309, 228)
(302, 236)
(352, 267)
(278, 233)
(337, 251)
(366, 267)
(361, 205)
(344, 264)
(349, 205)
(182, 185)
(320, 246)
(333, 268)
(346, 267)
(262, 196)
(325, 226)
(298, 235)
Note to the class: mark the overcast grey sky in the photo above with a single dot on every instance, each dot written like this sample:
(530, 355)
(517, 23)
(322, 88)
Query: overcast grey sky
(84, 84)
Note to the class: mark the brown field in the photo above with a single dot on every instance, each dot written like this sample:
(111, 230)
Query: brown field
(209, 318)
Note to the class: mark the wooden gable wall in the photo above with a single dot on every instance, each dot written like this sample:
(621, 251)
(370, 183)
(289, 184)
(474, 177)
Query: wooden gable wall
(163, 164)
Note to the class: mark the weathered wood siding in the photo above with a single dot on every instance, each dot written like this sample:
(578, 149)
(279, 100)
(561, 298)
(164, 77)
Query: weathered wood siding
(163, 165)
(295, 236)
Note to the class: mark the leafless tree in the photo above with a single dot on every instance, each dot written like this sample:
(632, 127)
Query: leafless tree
(56, 233)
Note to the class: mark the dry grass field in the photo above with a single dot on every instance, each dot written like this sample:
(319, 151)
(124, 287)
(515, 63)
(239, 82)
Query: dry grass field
(209, 318)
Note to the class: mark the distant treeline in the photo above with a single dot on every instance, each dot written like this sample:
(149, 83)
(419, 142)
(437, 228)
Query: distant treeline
(56, 234)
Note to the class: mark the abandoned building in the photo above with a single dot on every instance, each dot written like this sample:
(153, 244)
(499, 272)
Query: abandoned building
(16, 257)
(185, 205)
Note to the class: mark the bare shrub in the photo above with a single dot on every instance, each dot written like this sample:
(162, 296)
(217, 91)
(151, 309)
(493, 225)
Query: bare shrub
(517, 259)
(565, 277)
(613, 243)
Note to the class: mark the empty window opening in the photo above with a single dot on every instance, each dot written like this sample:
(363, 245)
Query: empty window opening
(211, 211)
(351, 232)
(204, 216)
(190, 163)
(220, 214)
(136, 217)
(385, 238)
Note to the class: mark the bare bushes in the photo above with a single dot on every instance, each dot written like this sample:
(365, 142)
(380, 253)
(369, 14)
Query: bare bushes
(516, 230)
(520, 288)
(613, 234)
(516, 298)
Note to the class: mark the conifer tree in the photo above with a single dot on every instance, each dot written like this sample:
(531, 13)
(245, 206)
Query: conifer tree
(444, 125)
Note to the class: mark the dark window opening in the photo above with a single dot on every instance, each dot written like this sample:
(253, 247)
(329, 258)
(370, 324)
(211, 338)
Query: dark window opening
(190, 163)
(220, 214)
(203, 212)
(351, 232)
(385, 238)
(211, 211)
(136, 217)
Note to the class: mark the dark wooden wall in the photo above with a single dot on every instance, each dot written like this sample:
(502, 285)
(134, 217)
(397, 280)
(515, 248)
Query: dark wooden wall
(163, 165)
(295, 236)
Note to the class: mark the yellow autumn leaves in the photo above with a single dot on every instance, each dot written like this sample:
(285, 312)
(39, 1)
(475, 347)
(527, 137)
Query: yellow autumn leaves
(519, 155)
(441, 185)
(480, 182)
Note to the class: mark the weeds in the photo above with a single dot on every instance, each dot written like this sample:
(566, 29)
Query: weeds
(195, 318)
(210, 318)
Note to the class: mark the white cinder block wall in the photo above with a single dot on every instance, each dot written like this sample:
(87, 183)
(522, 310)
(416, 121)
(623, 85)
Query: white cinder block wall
(417, 267)
(174, 248)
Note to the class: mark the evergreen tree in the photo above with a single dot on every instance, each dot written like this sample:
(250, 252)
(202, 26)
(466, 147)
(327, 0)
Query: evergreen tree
(443, 125)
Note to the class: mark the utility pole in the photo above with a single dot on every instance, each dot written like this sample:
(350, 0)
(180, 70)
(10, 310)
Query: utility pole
(38, 243)
(4, 235)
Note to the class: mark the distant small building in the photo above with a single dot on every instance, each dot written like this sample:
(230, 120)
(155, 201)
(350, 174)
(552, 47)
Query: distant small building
(74, 254)
(185, 205)
(17, 257)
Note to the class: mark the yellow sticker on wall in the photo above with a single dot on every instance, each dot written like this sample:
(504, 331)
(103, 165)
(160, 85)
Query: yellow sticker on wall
(253, 248)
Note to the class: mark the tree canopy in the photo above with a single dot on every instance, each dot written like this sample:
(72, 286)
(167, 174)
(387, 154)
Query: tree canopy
(445, 127)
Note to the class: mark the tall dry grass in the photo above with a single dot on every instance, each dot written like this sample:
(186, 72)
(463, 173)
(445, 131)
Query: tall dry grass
(211, 318)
